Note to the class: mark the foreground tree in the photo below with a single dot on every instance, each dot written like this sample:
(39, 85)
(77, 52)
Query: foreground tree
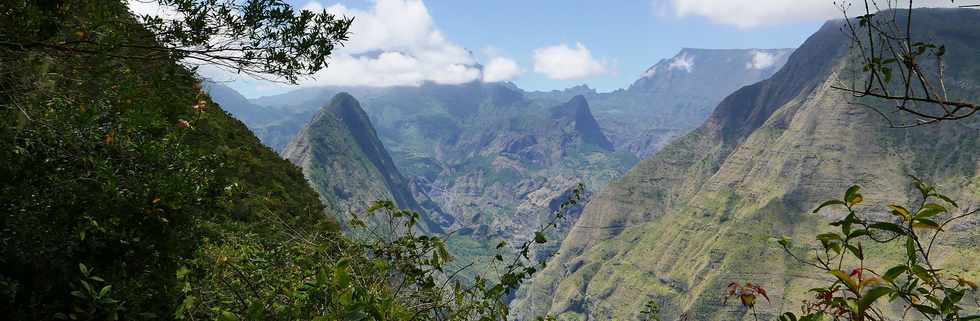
(263, 38)
(901, 67)
(117, 169)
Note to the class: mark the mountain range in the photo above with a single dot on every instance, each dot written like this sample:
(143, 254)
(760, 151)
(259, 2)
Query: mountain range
(490, 159)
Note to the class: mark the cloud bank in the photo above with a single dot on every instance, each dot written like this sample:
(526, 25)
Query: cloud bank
(761, 60)
(394, 43)
(562, 62)
(500, 69)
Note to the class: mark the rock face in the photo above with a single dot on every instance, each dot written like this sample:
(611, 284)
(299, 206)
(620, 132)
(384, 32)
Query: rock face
(342, 157)
(684, 223)
(673, 96)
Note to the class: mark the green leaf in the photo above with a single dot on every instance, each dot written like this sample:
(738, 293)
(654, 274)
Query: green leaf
(539, 237)
(891, 227)
(857, 233)
(894, 272)
(828, 203)
(852, 196)
(227, 316)
(829, 237)
(872, 295)
(930, 210)
(185, 305)
(927, 223)
(922, 273)
(788, 316)
(105, 290)
(901, 212)
(925, 309)
(947, 200)
(852, 305)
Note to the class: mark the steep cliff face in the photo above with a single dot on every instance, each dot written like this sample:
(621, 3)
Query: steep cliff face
(681, 225)
(342, 157)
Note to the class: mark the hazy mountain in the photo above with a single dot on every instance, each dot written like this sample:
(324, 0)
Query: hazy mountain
(684, 223)
(251, 114)
(673, 96)
(342, 157)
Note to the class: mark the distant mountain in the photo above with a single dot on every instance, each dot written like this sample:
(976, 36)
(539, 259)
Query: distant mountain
(576, 112)
(490, 158)
(697, 215)
(251, 114)
(673, 96)
(342, 157)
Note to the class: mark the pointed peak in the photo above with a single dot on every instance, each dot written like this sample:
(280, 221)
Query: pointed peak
(342, 104)
(343, 98)
(578, 100)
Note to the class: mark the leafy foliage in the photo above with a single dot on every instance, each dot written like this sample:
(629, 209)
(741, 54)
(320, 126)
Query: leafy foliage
(860, 292)
(264, 38)
(122, 166)
(395, 275)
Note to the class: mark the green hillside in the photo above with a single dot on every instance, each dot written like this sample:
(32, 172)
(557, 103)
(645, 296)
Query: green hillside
(683, 224)
(125, 167)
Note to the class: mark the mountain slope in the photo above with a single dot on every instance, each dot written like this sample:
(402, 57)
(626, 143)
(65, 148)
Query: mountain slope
(683, 224)
(342, 157)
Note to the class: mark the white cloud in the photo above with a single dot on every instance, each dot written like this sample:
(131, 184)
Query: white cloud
(500, 69)
(761, 60)
(563, 62)
(650, 72)
(754, 13)
(152, 8)
(682, 62)
(394, 43)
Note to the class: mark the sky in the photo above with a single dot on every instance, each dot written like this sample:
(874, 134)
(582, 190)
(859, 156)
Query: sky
(540, 44)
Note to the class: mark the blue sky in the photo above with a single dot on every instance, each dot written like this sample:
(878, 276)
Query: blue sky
(629, 35)
(435, 40)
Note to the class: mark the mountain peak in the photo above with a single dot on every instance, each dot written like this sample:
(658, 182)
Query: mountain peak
(577, 110)
(341, 139)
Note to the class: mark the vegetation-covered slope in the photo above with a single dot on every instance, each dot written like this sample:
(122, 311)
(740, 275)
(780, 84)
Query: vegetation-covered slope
(697, 215)
(123, 166)
(341, 155)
